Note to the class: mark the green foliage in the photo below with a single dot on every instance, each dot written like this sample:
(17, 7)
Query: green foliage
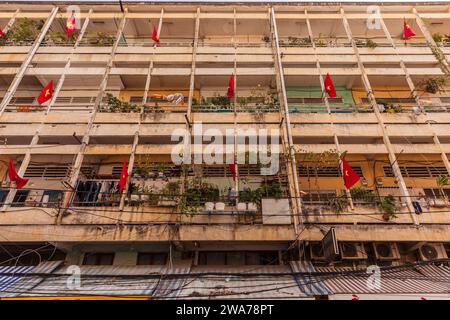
(435, 85)
(115, 105)
(25, 30)
(5, 38)
(196, 194)
(442, 181)
(102, 40)
(221, 101)
(371, 44)
(152, 194)
(153, 109)
(363, 195)
(299, 42)
(56, 38)
(437, 37)
(387, 204)
(267, 190)
(338, 204)
(323, 158)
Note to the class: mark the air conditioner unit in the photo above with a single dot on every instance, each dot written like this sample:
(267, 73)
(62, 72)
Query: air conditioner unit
(352, 251)
(432, 251)
(316, 251)
(379, 181)
(386, 251)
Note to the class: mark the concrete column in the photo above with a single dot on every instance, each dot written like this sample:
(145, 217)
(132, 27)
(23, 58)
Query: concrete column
(11, 21)
(86, 137)
(284, 112)
(136, 134)
(68, 63)
(392, 158)
(414, 94)
(327, 103)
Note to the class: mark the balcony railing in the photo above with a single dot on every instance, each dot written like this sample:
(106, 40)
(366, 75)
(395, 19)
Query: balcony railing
(321, 108)
(239, 108)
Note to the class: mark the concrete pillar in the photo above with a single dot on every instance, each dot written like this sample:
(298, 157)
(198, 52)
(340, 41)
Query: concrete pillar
(284, 112)
(86, 137)
(392, 158)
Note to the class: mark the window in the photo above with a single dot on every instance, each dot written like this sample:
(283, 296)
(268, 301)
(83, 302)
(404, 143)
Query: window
(52, 198)
(435, 193)
(151, 258)
(416, 171)
(238, 258)
(20, 198)
(3, 194)
(318, 196)
(98, 259)
(326, 172)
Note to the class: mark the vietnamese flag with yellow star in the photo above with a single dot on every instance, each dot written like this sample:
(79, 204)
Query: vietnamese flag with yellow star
(46, 94)
(329, 86)
(407, 31)
(70, 25)
(350, 176)
(123, 177)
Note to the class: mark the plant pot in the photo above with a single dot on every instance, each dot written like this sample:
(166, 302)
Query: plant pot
(386, 217)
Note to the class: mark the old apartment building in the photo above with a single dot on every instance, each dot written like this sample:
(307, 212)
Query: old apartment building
(130, 76)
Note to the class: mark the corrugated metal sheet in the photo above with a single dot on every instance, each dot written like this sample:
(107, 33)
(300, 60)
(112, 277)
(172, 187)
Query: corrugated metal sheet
(16, 283)
(309, 284)
(400, 281)
(242, 282)
(170, 284)
(100, 281)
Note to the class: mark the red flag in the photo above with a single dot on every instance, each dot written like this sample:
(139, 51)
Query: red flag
(46, 94)
(70, 25)
(350, 176)
(329, 86)
(123, 176)
(13, 176)
(233, 170)
(230, 91)
(155, 36)
(407, 31)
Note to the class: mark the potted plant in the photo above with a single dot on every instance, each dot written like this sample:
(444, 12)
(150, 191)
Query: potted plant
(371, 44)
(437, 37)
(387, 205)
(338, 203)
(363, 195)
(441, 182)
(435, 85)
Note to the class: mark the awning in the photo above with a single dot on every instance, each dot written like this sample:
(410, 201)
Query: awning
(405, 280)
(99, 281)
(308, 283)
(241, 282)
(17, 279)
